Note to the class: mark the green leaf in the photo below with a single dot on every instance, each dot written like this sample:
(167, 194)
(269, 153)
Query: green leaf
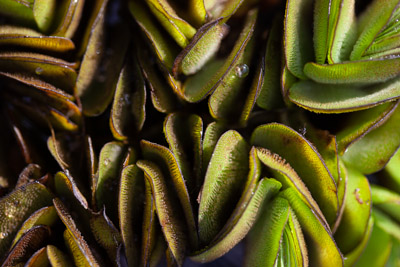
(204, 45)
(226, 174)
(163, 98)
(183, 133)
(80, 250)
(230, 89)
(286, 175)
(165, 49)
(211, 136)
(44, 216)
(101, 64)
(168, 164)
(105, 233)
(356, 214)
(57, 72)
(390, 175)
(358, 124)
(386, 200)
(17, 206)
(343, 33)
(30, 241)
(371, 153)
(372, 21)
(331, 98)
(110, 164)
(198, 12)
(171, 221)
(238, 227)
(386, 223)
(179, 29)
(69, 18)
(351, 258)
(312, 169)
(17, 36)
(298, 36)
(322, 249)
(130, 209)
(377, 251)
(264, 238)
(38, 259)
(128, 107)
(353, 72)
(270, 96)
(197, 87)
(56, 257)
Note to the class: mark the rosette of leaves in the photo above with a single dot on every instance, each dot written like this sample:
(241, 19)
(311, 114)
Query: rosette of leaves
(342, 62)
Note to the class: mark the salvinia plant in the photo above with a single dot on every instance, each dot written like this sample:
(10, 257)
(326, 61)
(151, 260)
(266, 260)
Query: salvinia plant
(148, 132)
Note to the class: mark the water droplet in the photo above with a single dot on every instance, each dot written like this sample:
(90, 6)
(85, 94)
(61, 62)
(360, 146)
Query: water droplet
(98, 52)
(106, 162)
(241, 70)
(39, 70)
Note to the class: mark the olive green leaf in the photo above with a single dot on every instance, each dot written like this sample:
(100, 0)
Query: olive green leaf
(105, 233)
(39, 258)
(29, 174)
(390, 176)
(183, 133)
(372, 22)
(378, 151)
(162, 97)
(151, 237)
(322, 249)
(331, 98)
(56, 257)
(298, 36)
(25, 37)
(359, 123)
(198, 12)
(165, 49)
(222, 9)
(202, 47)
(356, 212)
(69, 16)
(30, 241)
(264, 238)
(168, 164)
(378, 248)
(17, 206)
(169, 215)
(196, 89)
(179, 29)
(44, 216)
(230, 88)
(130, 208)
(80, 250)
(101, 64)
(386, 223)
(286, 175)
(238, 226)
(386, 200)
(38, 13)
(351, 258)
(353, 72)
(211, 136)
(55, 71)
(226, 174)
(343, 31)
(313, 171)
(110, 165)
(270, 96)
(129, 102)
